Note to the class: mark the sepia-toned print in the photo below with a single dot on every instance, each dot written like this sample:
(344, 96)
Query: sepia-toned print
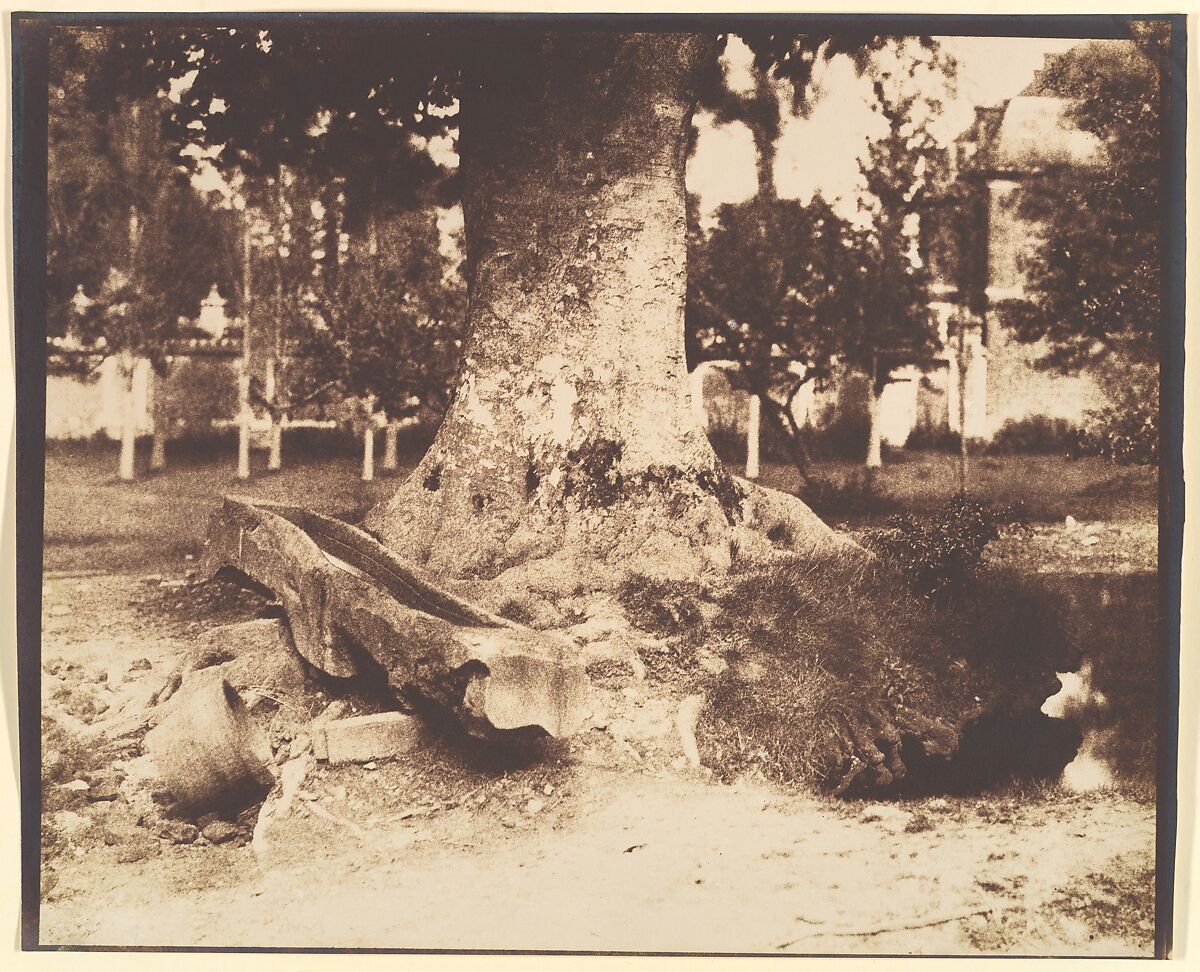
(603, 485)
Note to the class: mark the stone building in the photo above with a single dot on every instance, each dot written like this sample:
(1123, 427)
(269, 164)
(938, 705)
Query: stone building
(1007, 145)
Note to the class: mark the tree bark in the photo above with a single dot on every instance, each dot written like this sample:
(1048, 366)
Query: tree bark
(875, 433)
(368, 463)
(962, 409)
(244, 412)
(158, 451)
(125, 469)
(158, 446)
(275, 454)
(753, 435)
(570, 445)
(390, 458)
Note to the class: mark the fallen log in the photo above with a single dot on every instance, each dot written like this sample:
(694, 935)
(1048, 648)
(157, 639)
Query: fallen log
(346, 596)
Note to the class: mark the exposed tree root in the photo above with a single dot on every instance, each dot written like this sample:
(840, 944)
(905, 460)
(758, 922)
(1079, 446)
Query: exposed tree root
(674, 529)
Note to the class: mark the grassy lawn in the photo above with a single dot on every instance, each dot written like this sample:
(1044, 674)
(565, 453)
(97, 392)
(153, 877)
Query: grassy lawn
(94, 521)
(1049, 487)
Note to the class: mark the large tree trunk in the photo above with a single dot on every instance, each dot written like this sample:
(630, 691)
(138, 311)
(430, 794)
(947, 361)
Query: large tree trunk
(570, 454)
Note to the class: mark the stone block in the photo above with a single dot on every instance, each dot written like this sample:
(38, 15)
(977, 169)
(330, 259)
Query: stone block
(363, 738)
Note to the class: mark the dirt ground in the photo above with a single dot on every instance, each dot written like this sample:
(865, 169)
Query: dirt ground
(611, 841)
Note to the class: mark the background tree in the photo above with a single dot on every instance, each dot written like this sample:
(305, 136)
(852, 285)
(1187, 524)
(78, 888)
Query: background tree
(767, 290)
(1093, 279)
(889, 322)
(778, 284)
(385, 333)
(125, 229)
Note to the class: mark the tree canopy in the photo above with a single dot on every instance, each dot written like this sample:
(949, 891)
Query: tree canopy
(124, 226)
(1094, 279)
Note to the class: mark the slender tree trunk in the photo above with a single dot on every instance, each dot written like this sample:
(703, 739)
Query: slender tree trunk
(570, 438)
(962, 409)
(368, 462)
(126, 469)
(158, 446)
(275, 455)
(792, 433)
(244, 411)
(158, 451)
(875, 433)
(753, 435)
(391, 460)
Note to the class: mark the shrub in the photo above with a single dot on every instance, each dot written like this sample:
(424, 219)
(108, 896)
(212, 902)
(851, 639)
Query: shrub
(1035, 435)
(844, 436)
(942, 552)
(1126, 434)
(851, 497)
(932, 438)
(197, 392)
(839, 676)
(1126, 430)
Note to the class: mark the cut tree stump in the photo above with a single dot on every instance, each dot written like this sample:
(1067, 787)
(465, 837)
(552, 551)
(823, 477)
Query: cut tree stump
(346, 596)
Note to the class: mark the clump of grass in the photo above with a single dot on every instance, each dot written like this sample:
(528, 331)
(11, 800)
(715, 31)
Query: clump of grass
(661, 607)
(840, 676)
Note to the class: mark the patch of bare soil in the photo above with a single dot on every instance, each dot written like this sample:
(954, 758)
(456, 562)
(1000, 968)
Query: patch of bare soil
(614, 840)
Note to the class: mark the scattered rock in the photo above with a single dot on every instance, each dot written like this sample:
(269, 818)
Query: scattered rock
(178, 831)
(1089, 541)
(534, 806)
(361, 739)
(1070, 523)
(103, 791)
(220, 831)
(938, 805)
(685, 724)
(141, 665)
(299, 746)
(68, 822)
(138, 850)
(77, 785)
(547, 789)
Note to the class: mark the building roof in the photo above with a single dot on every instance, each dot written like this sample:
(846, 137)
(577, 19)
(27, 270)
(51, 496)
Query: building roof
(1035, 133)
(1024, 134)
